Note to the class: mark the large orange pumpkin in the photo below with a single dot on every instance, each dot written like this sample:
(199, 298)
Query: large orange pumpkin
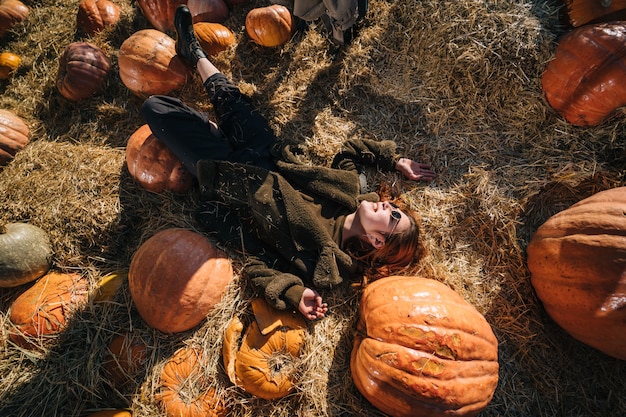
(176, 277)
(270, 25)
(96, 15)
(581, 12)
(12, 12)
(160, 13)
(14, 135)
(421, 350)
(262, 362)
(126, 356)
(181, 378)
(25, 254)
(83, 68)
(44, 310)
(577, 259)
(213, 37)
(584, 82)
(149, 65)
(154, 166)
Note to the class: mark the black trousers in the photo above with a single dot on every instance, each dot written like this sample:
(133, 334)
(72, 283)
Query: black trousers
(242, 134)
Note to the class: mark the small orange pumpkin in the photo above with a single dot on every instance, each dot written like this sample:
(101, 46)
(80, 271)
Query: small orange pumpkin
(149, 65)
(182, 374)
(83, 68)
(154, 166)
(96, 15)
(213, 37)
(126, 356)
(12, 12)
(111, 413)
(581, 12)
(9, 62)
(270, 26)
(14, 135)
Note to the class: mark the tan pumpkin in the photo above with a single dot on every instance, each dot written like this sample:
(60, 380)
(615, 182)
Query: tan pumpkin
(12, 12)
(160, 13)
(263, 363)
(14, 135)
(149, 65)
(584, 82)
(422, 350)
(9, 62)
(94, 16)
(154, 166)
(577, 261)
(83, 68)
(183, 375)
(270, 26)
(176, 277)
(25, 254)
(111, 413)
(213, 37)
(125, 358)
(581, 12)
(44, 310)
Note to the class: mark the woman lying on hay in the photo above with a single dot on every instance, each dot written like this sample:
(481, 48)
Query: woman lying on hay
(303, 224)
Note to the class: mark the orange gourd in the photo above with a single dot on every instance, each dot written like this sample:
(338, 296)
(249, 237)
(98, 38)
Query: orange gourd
(94, 16)
(12, 12)
(577, 261)
(421, 350)
(149, 65)
(9, 62)
(14, 135)
(213, 37)
(581, 12)
(83, 68)
(126, 356)
(270, 26)
(176, 277)
(584, 82)
(262, 362)
(111, 413)
(160, 13)
(182, 375)
(154, 166)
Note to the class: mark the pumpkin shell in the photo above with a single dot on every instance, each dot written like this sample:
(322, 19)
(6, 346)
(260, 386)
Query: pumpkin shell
(581, 12)
(25, 254)
(9, 62)
(213, 37)
(111, 413)
(577, 261)
(44, 309)
(149, 65)
(182, 370)
(12, 12)
(160, 13)
(14, 135)
(176, 277)
(83, 68)
(584, 82)
(126, 357)
(270, 26)
(154, 166)
(94, 16)
(422, 350)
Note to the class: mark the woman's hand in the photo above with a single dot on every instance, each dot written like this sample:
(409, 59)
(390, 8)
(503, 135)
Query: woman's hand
(311, 305)
(415, 171)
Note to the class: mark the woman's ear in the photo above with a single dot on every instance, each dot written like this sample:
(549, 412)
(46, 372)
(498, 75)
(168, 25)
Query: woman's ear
(376, 240)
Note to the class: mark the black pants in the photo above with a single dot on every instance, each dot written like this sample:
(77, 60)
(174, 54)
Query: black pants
(242, 133)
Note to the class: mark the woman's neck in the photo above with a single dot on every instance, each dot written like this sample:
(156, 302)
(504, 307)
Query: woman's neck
(348, 228)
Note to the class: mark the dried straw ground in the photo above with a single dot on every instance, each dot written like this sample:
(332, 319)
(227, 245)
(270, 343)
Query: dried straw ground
(455, 82)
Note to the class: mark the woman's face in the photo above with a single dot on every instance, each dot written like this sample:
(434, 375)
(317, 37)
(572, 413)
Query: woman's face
(381, 219)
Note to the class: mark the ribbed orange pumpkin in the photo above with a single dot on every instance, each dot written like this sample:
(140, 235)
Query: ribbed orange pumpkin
(126, 356)
(581, 12)
(183, 375)
(213, 37)
(12, 12)
(577, 259)
(14, 135)
(96, 15)
(160, 13)
(176, 277)
(584, 82)
(43, 310)
(154, 166)
(149, 65)
(83, 68)
(269, 26)
(421, 350)
(9, 62)
(263, 363)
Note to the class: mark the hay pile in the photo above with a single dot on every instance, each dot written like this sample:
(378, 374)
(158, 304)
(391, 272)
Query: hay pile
(455, 82)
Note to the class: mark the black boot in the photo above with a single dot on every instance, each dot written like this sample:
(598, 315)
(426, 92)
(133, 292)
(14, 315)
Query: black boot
(187, 45)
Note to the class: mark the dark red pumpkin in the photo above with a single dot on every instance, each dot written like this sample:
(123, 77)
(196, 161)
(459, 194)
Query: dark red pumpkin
(96, 15)
(12, 12)
(160, 13)
(581, 12)
(83, 69)
(14, 135)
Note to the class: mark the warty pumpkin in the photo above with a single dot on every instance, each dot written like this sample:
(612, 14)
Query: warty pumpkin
(149, 65)
(12, 12)
(421, 350)
(83, 68)
(262, 362)
(154, 166)
(25, 254)
(584, 81)
(160, 13)
(269, 26)
(14, 135)
(577, 261)
(176, 277)
(9, 62)
(44, 310)
(125, 358)
(213, 37)
(94, 16)
(581, 12)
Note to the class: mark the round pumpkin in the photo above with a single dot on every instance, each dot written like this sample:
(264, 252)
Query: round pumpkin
(263, 362)
(12, 12)
(111, 413)
(43, 310)
(584, 82)
(422, 350)
(94, 16)
(183, 375)
(176, 277)
(577, 261)
(149, 65)
(9, 62)
(14, 135)
(160, 13)
(126, 357)
(270, 26)
(83, 68)
(25, 254)
(154, 166)
(581, 12)
(213, 37)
